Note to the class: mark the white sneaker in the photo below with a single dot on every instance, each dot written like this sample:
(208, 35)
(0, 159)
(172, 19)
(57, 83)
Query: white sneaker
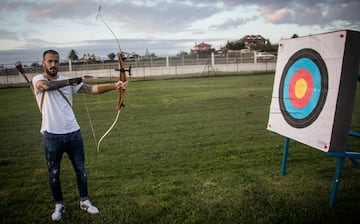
(59, 209)
(87, 206)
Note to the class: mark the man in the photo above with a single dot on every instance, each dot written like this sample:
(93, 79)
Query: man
(60, 129)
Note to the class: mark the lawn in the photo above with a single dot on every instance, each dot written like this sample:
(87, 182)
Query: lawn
(192, 150)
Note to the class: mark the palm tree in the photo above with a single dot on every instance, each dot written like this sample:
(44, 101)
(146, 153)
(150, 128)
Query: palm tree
(111, 56)
(73, 55)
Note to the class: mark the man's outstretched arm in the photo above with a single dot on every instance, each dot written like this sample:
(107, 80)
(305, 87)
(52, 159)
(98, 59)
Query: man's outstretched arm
(102, 88)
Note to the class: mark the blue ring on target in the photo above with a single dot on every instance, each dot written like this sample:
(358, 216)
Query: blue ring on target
(311, 67)
(310, 61)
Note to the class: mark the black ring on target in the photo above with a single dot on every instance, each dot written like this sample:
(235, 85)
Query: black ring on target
(303, 88)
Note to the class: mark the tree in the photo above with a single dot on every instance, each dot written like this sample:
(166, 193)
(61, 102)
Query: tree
(235, 45)
(35, 65)
(111, 56)
(73, 55)
(267, 46)
(183, 53)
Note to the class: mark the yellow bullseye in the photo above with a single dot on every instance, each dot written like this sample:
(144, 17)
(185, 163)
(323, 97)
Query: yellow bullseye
(300, 88)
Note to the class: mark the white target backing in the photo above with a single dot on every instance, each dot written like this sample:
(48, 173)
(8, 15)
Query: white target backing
(314, 89)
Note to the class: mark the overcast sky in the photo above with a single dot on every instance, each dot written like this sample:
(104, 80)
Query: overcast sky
(163, 26)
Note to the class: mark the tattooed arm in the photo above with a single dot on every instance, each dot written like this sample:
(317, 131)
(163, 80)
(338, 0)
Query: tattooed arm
(46, 85)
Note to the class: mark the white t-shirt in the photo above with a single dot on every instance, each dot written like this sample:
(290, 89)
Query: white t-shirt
(57, 115)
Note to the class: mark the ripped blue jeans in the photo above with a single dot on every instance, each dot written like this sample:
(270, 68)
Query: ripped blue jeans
(55, 146)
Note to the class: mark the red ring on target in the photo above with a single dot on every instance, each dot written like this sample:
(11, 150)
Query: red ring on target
(301, 88)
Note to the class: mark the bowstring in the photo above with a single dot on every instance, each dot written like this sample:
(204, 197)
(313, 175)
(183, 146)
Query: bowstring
(90, 121)
(83, 94)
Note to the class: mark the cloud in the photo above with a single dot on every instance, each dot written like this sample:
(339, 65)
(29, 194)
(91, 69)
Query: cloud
(168, 16)
(40, 23)
(8, 35)
(76, 10)
(171, 16)
(233, 23)
(49, 11)
(158, 16)
(309, 12)
(277, 16)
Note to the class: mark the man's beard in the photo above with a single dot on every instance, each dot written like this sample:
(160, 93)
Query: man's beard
(52, 71)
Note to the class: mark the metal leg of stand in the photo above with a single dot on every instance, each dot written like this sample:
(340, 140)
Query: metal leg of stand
(285, 155)
(336, 182)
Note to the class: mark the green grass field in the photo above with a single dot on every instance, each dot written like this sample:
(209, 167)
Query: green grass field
(190, 150)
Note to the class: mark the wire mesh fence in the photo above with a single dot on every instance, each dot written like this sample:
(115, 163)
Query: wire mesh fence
(8, 70)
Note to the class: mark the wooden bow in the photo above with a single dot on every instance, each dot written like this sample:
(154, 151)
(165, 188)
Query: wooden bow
(121, 68)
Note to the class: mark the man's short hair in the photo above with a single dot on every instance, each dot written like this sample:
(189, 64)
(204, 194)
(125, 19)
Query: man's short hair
(50, 52)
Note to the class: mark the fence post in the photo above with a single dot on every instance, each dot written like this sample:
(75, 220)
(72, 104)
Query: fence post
(70, 65)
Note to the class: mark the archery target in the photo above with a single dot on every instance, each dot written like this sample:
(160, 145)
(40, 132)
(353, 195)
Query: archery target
(314, 89)
(303, 88)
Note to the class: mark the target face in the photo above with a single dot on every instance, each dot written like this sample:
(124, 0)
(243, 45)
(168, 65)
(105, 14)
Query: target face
(303, 88)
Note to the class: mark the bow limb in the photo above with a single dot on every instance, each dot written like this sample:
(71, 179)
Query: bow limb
(108, 131)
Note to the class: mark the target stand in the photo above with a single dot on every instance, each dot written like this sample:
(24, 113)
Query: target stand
(314, 94)
(339, 165)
